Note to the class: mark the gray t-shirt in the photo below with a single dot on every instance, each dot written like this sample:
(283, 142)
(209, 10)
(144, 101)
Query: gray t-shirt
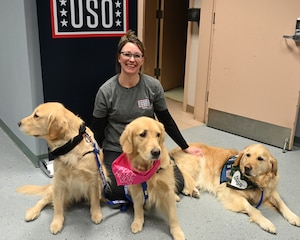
(122, 105)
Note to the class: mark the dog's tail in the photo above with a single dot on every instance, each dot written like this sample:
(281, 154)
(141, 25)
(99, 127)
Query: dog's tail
(34, 189)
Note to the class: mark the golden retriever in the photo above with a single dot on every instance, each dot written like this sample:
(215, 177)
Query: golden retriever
(143, 143)
(256, 164)
(76, 176)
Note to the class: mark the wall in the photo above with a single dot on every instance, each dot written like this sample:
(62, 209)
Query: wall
(20, 71)
(191, 59)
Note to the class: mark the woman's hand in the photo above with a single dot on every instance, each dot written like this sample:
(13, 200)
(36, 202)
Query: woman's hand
(194, 151)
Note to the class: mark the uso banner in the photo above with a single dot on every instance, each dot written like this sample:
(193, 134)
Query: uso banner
(88, 18)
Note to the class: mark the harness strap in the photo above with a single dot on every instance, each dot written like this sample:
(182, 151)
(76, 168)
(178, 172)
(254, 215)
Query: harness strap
(145, 191)
(260, 200)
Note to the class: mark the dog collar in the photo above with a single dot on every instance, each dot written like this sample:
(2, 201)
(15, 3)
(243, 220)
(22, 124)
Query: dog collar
(70, 144)
(126, 175)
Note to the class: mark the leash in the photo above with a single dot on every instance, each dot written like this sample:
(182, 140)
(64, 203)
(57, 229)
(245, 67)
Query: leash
(105, 183)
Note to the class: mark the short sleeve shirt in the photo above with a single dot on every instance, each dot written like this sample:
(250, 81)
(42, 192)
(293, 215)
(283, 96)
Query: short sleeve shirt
(122, 105)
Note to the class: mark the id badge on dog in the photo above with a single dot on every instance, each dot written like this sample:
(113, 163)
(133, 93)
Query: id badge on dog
(238, 181)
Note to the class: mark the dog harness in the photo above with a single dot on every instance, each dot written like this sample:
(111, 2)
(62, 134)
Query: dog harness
(234, 178)
(72, 144)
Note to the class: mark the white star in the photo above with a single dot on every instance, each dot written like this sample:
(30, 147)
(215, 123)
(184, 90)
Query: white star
(63, 12)
(118, 23)
(118, 4)
(63, 2)
(118, 13)
(64, 23)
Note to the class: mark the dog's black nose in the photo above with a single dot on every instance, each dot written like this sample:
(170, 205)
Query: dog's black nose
(19, 124)
(155, 153)
(248, 169)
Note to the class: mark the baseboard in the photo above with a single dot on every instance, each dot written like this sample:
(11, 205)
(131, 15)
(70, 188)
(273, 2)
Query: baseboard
(28, 153)
(250, 128)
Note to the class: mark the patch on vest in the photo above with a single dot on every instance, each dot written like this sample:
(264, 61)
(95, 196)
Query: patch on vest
(227, 169)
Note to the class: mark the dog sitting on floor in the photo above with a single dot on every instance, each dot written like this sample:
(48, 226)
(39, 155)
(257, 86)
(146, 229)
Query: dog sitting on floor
(146, 169)
(76, 174)
(252, 181)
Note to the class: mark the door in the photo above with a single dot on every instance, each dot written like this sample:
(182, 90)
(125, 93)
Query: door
(165, 36)
(254, 78)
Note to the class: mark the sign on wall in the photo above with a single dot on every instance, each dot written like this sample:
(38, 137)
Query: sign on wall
(88, 18)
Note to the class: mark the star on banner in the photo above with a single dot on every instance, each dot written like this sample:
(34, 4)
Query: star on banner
(63, 2)
(64, 23)
(118, 13)
(63, 12)
(118, 23)
(118, 4)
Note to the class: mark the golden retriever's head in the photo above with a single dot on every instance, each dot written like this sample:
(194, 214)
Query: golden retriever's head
(256, 160)
(50, 121)
(143, 137)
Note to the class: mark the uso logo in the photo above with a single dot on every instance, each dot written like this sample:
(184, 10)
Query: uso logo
(88, 18)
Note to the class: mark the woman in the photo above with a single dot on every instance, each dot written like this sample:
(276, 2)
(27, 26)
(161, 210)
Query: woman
(128, 95)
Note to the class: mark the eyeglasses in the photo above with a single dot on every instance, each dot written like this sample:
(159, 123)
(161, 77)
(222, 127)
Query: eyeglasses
(128, 55)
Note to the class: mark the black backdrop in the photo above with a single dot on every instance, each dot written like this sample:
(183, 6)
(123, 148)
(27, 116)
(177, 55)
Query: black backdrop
(74, 68)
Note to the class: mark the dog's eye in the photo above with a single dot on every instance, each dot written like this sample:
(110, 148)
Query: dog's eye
(35, 115)
(143, 134)
(158, 135)
(260, 159)
(248, 155)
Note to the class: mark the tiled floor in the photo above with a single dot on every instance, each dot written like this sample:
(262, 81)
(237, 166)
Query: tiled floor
(183, 119)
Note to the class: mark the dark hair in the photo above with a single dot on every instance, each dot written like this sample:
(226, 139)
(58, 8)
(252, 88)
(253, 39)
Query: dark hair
(128, 37)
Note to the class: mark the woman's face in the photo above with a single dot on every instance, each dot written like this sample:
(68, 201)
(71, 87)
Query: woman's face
(131, 58)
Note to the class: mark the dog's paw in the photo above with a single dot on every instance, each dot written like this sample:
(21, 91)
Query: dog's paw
(196, 193)
(177, 198)
(177, 233)
(294, 220)
(136, 227)
(56, 226)
(96, 218)
(31, 214)
(269, 227)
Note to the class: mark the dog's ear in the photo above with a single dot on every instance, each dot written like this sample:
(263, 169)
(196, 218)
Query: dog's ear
(162, 133)
(56, 127)
(238, 159)
(126, 140)
(274, 165)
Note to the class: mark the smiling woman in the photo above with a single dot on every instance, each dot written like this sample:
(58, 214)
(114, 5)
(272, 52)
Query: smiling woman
(124, 97)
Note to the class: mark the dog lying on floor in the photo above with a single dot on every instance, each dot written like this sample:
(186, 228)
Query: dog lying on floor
(251, 182)
(76, 175)
(145, 168)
